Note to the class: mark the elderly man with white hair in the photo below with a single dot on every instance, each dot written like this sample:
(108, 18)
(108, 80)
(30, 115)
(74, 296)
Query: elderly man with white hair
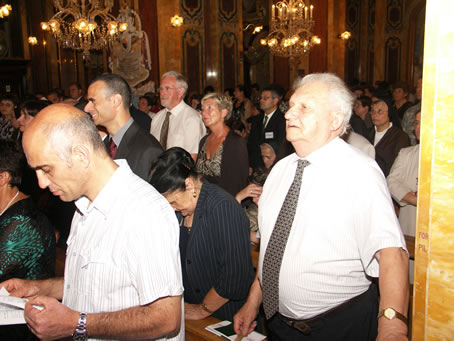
(328, 227)
(178, 124)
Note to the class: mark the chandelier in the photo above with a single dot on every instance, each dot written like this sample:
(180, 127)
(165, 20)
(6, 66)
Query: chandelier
(84, 24)
(291, 29)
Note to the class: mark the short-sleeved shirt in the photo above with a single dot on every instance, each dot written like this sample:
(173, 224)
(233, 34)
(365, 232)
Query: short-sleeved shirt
(344, 216)
(123, 248)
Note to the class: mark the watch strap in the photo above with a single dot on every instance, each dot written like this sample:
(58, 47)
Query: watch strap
(81, 330)
(396, 314)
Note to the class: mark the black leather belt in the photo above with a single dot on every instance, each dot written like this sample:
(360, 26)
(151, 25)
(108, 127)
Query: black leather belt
(304, 326)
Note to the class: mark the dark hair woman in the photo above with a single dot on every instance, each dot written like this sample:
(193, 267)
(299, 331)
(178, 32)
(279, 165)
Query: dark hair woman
(28, 111)
(214, 238)
(27, 240)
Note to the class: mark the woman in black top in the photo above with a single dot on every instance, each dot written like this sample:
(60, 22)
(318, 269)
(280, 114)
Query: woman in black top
(214, 238)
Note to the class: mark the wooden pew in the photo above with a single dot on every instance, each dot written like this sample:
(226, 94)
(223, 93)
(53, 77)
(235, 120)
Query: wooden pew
(195, 330)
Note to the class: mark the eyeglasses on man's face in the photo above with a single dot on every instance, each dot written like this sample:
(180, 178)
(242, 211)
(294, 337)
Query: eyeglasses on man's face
(167, 88)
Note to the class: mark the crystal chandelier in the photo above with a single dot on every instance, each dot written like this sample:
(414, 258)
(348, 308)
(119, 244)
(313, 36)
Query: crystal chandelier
(291, 29)
(84, 24)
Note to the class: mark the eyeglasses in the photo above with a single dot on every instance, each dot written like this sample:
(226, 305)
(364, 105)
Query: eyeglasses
(167, 88)
(380, 111)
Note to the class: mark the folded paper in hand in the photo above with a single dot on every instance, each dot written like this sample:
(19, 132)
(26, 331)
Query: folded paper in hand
(12, 308)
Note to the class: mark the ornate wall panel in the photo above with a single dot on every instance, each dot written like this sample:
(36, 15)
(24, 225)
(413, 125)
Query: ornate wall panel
(353, 21)
(371, 17)
(282, 72)
(318, 58)
(353, 15)
(351, 61)
(394, 15)
(228, 11)
(228, 67)
(192, 46)
(393, 54)
(192, 11)
(370, 62)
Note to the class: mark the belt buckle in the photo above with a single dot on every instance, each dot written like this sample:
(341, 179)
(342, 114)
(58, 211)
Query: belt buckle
(301, 326)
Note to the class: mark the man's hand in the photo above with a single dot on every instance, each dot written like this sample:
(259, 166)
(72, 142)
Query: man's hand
(21, 288)
(244, 320)
(55, 321)
(52, 287)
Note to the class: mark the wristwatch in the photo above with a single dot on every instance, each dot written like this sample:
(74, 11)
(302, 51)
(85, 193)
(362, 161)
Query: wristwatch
(80, 334)
(391, 313)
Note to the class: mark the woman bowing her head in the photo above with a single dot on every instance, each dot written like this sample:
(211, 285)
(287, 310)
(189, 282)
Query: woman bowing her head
(214, 238)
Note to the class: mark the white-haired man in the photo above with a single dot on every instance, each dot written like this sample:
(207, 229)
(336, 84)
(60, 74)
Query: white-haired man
(335, 230)
(177, 125)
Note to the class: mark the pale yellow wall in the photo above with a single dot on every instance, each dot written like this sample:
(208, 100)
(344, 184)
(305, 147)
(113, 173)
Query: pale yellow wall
(433, 313)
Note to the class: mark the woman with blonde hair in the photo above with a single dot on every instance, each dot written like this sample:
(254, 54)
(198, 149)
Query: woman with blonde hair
(222, 157)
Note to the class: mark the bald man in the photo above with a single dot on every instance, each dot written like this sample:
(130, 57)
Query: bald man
(122, 271)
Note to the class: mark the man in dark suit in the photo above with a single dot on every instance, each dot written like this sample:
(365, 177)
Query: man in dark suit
(387, 139)
(76, 93)
(141, 118)
(268, 125)
(109, 98)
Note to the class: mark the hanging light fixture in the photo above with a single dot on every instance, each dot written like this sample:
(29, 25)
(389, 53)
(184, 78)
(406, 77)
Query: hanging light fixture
(291, 29)
(84, 24)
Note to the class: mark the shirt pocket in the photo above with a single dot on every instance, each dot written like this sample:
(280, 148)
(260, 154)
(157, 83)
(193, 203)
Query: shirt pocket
(99, 275)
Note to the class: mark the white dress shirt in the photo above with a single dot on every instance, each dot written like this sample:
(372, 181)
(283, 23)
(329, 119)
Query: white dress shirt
(123, 248)
(344, 216)
(186, 127)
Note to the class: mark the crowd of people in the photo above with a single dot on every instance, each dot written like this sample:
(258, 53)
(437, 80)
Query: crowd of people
(104, 175)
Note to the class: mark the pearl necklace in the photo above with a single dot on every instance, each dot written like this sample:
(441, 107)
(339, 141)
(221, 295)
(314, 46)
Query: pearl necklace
(10, 202)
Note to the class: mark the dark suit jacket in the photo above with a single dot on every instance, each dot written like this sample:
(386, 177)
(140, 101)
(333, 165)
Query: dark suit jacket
(81, 103)
(140, 149)
(388, 147)
(218, 253)
(141, 118)
(257, 136)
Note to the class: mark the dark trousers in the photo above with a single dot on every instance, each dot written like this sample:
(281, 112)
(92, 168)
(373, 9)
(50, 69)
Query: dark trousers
(355, 322)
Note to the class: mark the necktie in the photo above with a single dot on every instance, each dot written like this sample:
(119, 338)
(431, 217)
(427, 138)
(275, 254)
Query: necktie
(276, 245)
(112, 148)
(165, 131)
(265, 121)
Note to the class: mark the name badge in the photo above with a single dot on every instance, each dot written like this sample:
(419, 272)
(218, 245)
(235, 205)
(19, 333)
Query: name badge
(269, 135)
